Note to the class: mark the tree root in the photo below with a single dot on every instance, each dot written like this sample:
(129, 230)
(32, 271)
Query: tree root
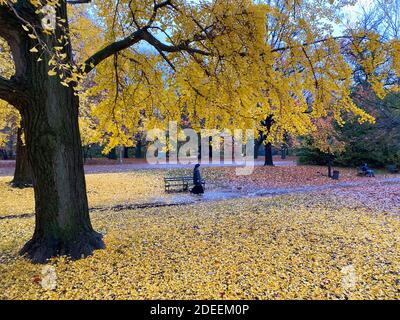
(41, 249)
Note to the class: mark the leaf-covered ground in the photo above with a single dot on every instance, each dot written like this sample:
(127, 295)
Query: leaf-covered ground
(143, 186)
(105, 189)
(310, 246)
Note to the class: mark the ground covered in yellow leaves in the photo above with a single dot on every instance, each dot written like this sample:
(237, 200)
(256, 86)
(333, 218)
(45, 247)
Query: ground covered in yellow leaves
(147, 185)
(308, 246)
(104, 189)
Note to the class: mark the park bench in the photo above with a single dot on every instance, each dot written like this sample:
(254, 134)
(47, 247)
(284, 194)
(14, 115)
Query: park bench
(360, 172)
(179, 184)
(393, 168)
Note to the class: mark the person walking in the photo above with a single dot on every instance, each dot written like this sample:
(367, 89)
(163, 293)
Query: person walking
(367, 171)
(197, 181)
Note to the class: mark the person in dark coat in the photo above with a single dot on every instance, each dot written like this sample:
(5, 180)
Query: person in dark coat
(198, 187)
(367, 171)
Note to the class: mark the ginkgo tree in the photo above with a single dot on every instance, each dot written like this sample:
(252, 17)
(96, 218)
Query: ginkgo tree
(291, 71)
(215, 65)
(44, 89)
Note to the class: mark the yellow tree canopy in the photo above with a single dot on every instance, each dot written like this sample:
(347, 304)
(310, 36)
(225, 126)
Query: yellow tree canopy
(221, 64)
(272, 57)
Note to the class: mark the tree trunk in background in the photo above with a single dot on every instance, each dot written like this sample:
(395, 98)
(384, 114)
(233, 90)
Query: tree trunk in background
(257, 145)
(269, 160)
(23, 171)
(85, 152)
(210, 149)
(138, 150)
(284, 152)
(4, 155)
(126, 152)
(112, 155)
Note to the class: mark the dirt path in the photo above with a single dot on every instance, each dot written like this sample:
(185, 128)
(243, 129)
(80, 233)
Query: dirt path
(212, 196)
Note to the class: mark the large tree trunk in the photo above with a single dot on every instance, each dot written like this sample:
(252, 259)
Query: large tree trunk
(50, 116)
(23, 171)
(63, 225)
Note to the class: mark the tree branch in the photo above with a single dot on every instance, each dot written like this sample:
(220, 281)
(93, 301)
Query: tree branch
(78, 1)
(156, 7)
(111, 49)
(135, 37)
(183, 46)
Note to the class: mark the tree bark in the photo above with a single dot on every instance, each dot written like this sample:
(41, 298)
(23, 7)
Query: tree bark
(23, 171)
(63, 225)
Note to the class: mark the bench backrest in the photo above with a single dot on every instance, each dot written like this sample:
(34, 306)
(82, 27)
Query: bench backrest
(178, 178)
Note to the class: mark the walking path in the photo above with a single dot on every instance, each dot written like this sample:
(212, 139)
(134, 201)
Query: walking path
(7, 167)
(188, 199)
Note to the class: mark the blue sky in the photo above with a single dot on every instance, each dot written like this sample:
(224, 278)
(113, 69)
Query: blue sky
(352, 12)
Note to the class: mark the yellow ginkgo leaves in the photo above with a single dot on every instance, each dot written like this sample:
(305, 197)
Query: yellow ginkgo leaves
(293, 247)
(52, 72)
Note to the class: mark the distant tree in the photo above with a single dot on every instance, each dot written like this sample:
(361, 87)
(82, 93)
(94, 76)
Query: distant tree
(377, 144)
(325, 140)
